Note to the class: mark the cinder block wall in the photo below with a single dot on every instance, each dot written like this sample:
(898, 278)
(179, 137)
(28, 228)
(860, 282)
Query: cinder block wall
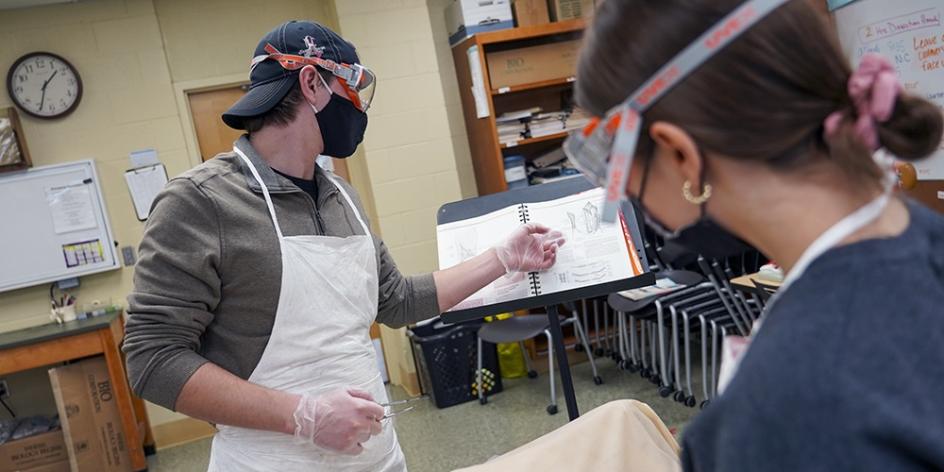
(413, 148)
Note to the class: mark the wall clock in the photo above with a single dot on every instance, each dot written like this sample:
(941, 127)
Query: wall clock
(44, 85)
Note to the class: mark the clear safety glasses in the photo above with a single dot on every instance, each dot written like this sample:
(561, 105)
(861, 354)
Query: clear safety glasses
(603, 151)
(359, 82)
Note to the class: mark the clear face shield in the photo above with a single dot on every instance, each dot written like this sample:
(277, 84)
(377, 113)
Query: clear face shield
(604, 150)
(359, 82)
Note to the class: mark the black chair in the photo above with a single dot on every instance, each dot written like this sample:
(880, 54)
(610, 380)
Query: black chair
(518, 329)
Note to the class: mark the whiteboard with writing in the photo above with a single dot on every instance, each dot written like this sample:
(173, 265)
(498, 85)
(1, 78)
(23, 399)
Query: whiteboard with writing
(54, 225)
(910, 33)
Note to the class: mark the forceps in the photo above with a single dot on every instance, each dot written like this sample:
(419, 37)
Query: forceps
(392, 404)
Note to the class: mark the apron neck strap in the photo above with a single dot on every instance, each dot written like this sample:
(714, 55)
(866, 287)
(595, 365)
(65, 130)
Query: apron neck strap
(265, 190)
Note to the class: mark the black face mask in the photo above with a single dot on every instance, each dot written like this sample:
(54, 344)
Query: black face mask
(342, 127)
(704, 236)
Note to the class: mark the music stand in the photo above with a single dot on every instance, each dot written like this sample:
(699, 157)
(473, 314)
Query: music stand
(474, 207)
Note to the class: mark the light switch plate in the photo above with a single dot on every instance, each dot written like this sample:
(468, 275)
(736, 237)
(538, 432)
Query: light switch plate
(127, 255)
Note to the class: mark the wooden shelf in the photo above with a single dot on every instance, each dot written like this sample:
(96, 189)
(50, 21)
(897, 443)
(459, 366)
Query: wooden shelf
(534, 85)
(530, 32)
(486, 149)
(539, 139)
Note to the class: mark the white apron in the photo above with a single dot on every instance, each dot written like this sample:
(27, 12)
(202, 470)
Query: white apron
(733, 348)
(320, 342)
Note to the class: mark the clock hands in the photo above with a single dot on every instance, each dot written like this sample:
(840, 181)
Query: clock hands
(43, 98)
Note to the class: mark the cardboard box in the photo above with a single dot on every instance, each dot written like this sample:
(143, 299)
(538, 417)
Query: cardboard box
(531, 12)
(550, 61)
(47, 449)
(61, 466)
(467, 17)
(95, 440)
(563, 10)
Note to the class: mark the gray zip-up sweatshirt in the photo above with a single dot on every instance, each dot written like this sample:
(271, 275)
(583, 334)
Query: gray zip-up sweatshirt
(207, 282)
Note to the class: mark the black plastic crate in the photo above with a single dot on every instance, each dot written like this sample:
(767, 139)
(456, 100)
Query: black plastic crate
(446, 361)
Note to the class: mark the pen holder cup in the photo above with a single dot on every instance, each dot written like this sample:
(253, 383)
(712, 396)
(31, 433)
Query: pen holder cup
(66, 313)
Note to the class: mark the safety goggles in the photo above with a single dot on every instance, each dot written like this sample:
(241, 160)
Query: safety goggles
(604, 150)
(359, 82)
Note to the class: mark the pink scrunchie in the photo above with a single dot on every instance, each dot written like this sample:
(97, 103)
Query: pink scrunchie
(874, 88)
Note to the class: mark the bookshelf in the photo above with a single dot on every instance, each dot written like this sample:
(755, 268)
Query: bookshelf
(549, 94)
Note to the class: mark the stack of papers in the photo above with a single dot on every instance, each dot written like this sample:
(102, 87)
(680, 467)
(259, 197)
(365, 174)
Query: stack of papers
(513, 126)
(577, 119)
(511, 132)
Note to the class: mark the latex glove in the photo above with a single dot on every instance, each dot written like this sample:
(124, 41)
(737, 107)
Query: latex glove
(339, 421)
(530, 248)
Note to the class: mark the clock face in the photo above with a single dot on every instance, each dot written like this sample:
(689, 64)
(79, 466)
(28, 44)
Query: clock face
(44, 85)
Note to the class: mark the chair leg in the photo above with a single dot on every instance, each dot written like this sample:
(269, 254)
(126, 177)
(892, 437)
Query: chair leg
(582, 338)
(688, 354)
(632, 340)
(527, 361)
(607, 345)
(704, 358)
(598, 349)
(478, 375)
(552, 408)
(660, 336)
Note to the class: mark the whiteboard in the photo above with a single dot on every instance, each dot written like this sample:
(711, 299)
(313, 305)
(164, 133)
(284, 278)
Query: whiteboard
(55, 225)
(910, 33)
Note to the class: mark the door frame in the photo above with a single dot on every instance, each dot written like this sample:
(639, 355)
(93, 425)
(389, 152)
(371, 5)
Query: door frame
(182, 90)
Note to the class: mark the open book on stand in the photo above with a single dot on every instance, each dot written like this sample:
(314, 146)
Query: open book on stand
(594, 253)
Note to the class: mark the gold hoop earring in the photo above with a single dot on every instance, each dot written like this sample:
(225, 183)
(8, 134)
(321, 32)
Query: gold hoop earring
(700, 199)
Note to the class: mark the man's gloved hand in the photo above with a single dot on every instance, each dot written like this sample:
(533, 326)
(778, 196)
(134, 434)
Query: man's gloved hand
(340, 421)
(530, 248)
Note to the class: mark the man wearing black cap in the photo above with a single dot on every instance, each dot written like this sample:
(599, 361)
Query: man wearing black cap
(258, 277)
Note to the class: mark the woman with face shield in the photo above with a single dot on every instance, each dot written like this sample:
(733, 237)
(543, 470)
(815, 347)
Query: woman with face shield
(729, 121)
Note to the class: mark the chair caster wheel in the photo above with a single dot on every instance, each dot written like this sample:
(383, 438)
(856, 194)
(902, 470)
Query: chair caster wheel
(597, 380)
(664, 392)
(483, 400)
(679, 396)
(617, 358)
(690, 402)
(632, 367)
(704, 404)
(621, 365)
(645, 373)
(656, 379)
(532, 374)
(552, 409)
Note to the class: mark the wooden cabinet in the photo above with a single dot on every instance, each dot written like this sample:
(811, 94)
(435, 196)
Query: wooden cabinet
(550, 94)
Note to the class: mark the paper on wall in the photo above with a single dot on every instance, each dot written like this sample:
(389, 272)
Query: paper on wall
(478, 83)
(145, 183)
(71, 208)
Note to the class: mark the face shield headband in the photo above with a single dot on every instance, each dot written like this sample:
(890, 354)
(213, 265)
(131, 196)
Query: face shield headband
(359, 82)
(604, 150)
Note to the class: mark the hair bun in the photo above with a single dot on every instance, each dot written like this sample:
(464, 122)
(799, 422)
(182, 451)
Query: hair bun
(914, 130)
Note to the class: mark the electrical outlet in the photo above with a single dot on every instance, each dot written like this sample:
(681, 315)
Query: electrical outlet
(4, 389)
(127, 253)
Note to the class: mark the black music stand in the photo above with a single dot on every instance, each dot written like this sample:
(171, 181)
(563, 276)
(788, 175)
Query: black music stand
(474, 207)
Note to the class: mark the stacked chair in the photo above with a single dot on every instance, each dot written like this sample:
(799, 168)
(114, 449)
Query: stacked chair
(659, 336)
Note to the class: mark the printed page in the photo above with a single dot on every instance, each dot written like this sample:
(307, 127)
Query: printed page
(466, 239)
(595, 252)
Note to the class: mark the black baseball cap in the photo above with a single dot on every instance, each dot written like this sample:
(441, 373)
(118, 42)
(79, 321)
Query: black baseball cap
(269, 82)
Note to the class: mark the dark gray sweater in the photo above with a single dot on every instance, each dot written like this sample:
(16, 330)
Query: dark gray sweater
(207, 284)
(847, 372)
